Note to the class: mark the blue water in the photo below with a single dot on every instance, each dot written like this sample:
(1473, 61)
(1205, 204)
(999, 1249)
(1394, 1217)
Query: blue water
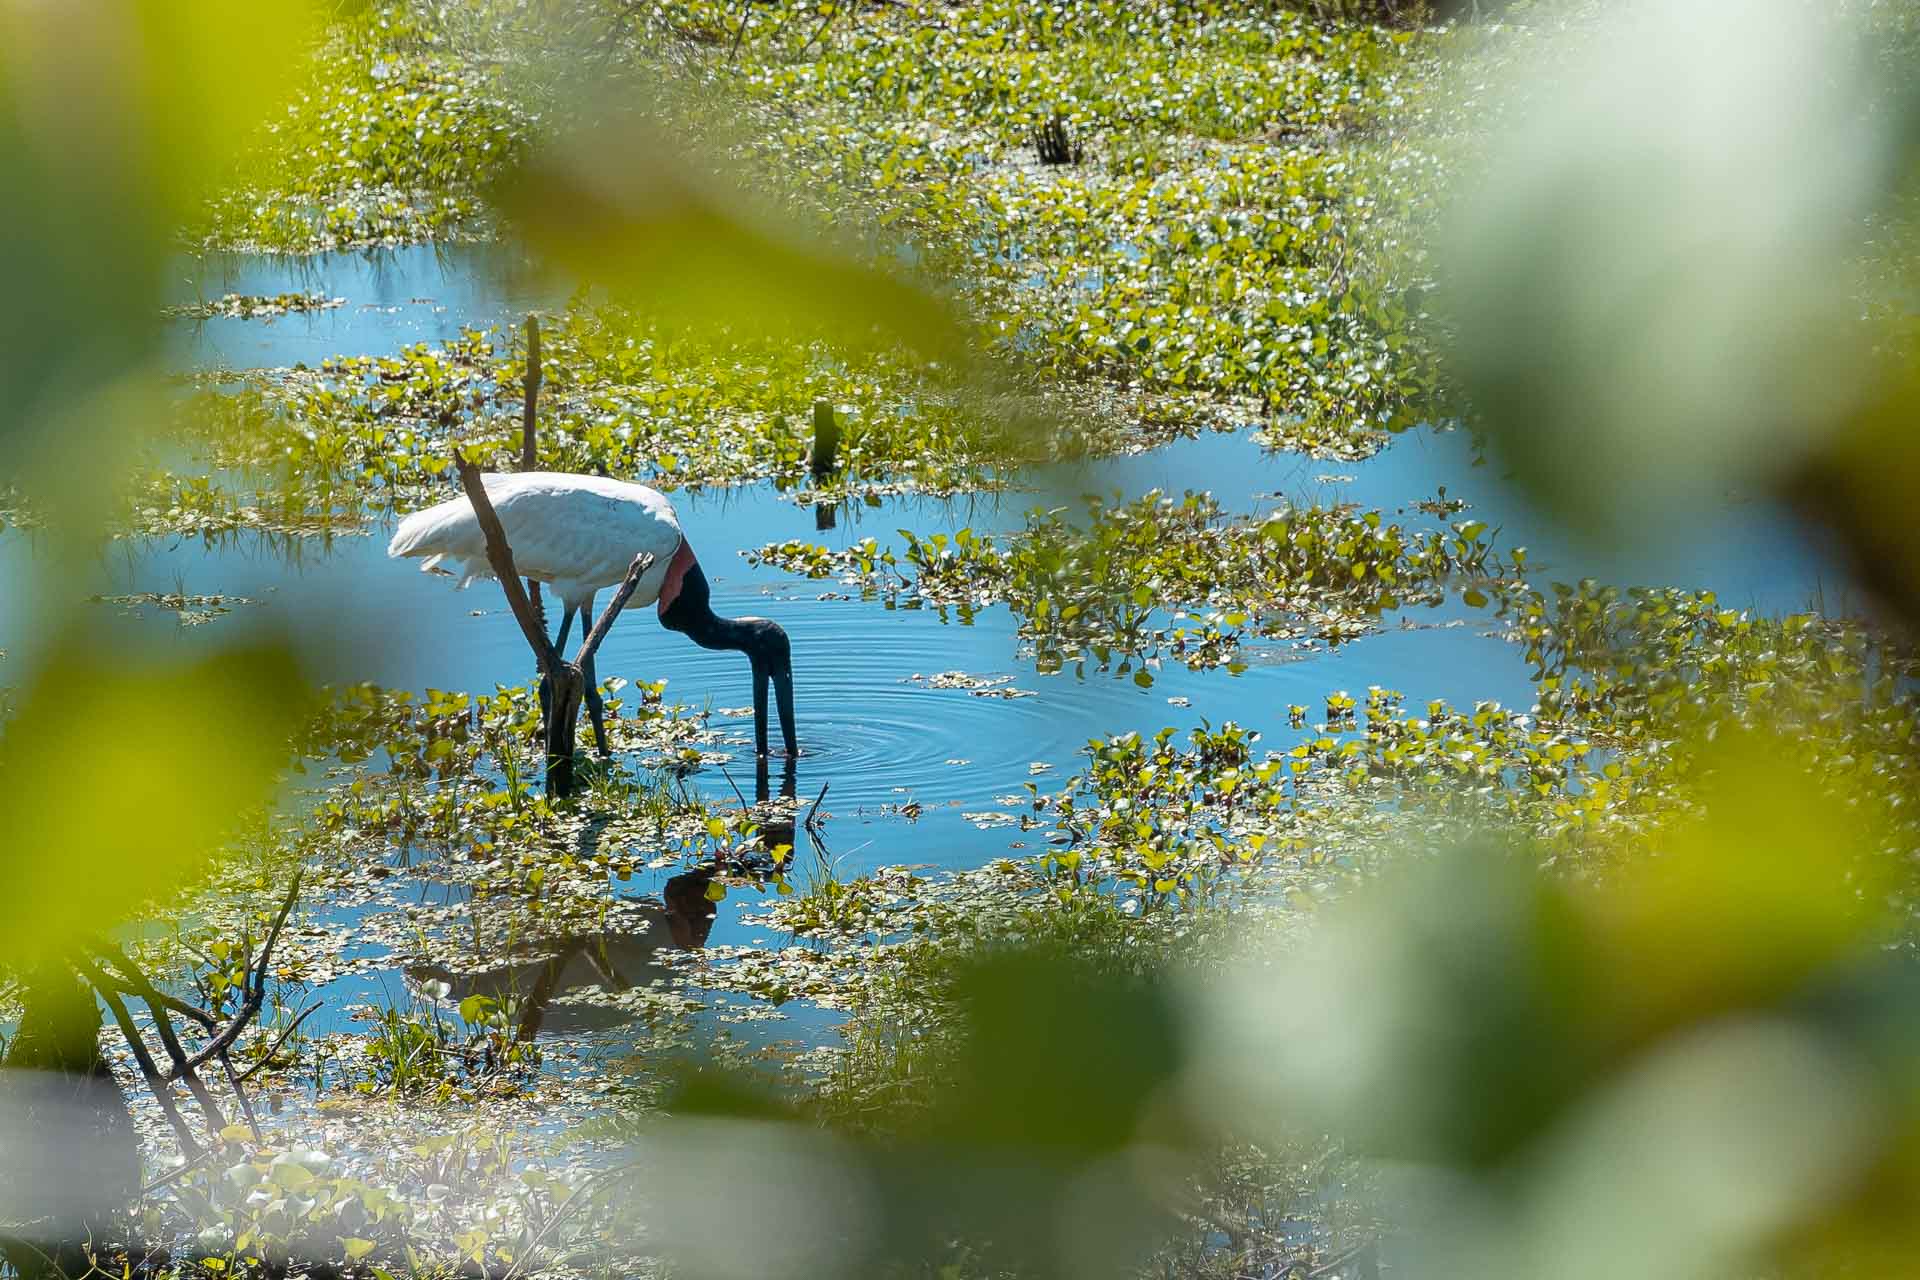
(873, 733)
(392, 298)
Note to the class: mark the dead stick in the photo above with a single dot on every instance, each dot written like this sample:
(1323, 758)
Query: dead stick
(280, 1040)
(591, 645)
(129, 981)
(158, 1004)
(833, 11)
(529, 439)
(500, 558)
(740, 32)
(565, 680)
(255, 989)
(246, 1106)
(141, 1055)
(816, 804)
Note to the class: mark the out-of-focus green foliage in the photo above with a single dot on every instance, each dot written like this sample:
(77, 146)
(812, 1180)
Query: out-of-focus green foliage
(1703, 1061)
(115, 118)
(691, 248)
(1650, 312)
(94, 803)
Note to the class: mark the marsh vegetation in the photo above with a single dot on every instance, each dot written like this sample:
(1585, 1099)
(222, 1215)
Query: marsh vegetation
(1353, 637)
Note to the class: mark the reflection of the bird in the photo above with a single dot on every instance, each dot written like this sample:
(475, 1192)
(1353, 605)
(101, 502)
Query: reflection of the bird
(625, 955)
(776, 821)
(615, 960)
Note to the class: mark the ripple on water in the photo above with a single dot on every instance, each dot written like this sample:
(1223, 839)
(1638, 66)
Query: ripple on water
(874, 721)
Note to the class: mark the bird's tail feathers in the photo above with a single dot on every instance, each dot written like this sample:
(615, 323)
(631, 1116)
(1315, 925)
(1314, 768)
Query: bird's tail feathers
(448, 528)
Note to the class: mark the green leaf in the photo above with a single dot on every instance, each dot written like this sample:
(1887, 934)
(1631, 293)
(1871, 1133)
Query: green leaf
(476, 1007)
(291, 1176)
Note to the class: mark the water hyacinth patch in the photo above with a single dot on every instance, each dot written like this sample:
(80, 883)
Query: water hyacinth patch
(249, 306)
(1156, 579)
(1235, 241)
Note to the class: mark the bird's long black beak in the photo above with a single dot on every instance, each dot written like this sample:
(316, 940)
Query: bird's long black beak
(782, 680)
(783, 695)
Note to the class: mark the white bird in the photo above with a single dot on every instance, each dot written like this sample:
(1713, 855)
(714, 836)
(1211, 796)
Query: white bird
(578, 534)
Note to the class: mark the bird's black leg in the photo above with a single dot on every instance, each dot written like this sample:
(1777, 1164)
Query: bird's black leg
(596, 706)
(546, 687)
(760, 679)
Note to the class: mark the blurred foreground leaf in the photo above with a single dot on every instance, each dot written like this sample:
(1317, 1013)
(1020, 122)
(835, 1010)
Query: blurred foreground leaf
(1688, 1065)
(1654, 281)
(1052, 1142)
(120, 776)
(616, 202)
(116, 118)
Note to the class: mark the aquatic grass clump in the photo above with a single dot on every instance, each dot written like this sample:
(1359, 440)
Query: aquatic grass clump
(417, 1048)
(1155, 579)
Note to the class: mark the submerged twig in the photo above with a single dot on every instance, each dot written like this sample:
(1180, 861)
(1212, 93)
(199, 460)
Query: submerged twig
(809, 824)
(529, 439)
(279, 1040)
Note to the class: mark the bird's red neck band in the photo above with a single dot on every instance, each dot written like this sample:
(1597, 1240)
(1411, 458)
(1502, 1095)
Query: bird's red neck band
(676, 574)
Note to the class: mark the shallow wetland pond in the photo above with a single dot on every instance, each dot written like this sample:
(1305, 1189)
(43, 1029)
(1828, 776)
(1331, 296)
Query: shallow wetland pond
(919, 732)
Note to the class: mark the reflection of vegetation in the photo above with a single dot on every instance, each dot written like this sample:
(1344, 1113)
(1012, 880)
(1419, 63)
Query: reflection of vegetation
(191, 610)
(1666, 1031)
(1103, 590)
(253, 306)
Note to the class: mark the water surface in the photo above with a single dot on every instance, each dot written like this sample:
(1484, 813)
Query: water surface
(912, 773)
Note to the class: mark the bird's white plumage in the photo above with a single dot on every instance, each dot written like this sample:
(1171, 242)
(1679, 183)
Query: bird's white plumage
(578, 534)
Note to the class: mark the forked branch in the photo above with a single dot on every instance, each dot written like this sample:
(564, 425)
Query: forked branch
(116, 975)
(591, 645)
(500, 559)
